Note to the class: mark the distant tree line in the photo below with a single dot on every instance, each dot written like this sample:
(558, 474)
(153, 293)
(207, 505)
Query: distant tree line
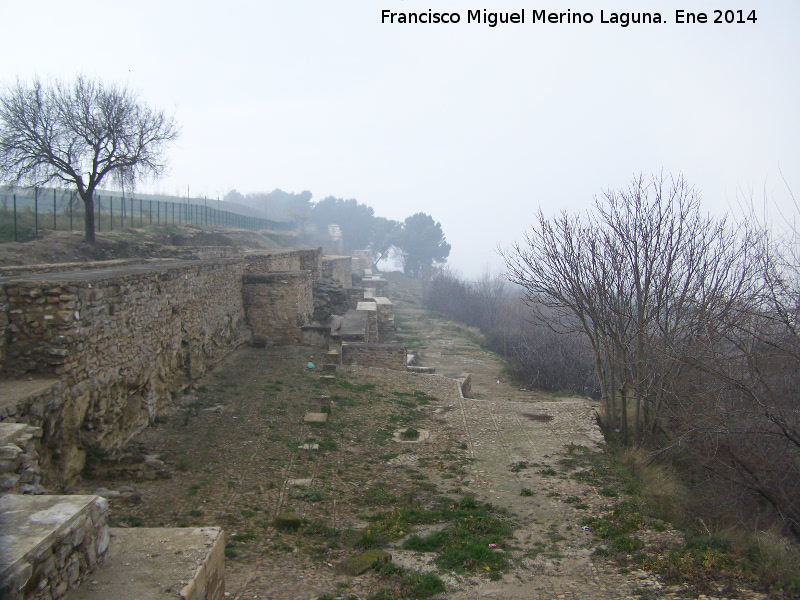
(417, 242)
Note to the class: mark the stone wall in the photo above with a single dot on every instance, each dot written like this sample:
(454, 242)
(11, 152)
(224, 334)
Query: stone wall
(363, 259)
(121, 341)
(339, 268)
(19, 458)
(52, 542)
(372, 319)
(385, 316)
(384, 356)
(277, 305)
(308, 259)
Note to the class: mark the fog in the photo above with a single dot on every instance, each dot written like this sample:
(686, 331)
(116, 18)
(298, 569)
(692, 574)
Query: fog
(475, 125)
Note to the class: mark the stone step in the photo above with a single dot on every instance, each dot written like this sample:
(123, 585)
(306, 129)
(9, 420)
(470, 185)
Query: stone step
(413, 369)
(316, 417)
(152, 563)
(49, 543)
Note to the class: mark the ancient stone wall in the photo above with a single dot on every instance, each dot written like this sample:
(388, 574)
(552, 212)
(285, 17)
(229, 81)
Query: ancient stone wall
(339, 268)
(277, 305)
(19, 459)
(309, 259)
(120, 342)
(384, 356)
(385, 316)
(363, 260)
(67, 539)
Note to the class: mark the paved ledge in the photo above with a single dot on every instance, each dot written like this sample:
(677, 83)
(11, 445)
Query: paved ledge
(48, 542)
(15, 391)
(157, 563)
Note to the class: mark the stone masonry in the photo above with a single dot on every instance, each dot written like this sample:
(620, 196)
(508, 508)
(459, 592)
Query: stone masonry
(384, 356)
(49, 543)
(277, 305)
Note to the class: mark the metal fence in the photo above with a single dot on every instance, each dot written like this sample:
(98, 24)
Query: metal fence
(24, 214)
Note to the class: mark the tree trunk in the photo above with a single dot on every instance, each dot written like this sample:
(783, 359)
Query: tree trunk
(88, 211)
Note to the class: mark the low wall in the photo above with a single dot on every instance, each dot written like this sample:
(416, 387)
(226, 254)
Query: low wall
(384, 356)
(363, 260)
(277, 305)
(339, 268)
(119, 342)
(307, 259)
(51, 542)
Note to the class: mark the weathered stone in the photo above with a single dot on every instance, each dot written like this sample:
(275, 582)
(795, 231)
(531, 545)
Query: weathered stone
(314, 417)
(287, 521)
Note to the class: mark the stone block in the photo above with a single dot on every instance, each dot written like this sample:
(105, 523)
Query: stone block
(316, 418)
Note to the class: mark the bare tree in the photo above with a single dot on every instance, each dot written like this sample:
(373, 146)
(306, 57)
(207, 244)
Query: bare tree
(638, 275)
(79, 134)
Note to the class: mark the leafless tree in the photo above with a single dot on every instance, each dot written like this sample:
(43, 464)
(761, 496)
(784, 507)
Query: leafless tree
(637, 275)
(79, 134)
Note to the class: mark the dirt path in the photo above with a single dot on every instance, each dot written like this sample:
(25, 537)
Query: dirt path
(520, 439)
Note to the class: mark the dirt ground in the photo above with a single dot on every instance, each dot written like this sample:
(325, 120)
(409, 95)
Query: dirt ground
(235, 447)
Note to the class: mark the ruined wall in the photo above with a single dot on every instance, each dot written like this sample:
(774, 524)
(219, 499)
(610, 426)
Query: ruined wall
(122, 341)
(120, 345)
(309, 259)
(384, 356)
(339, 268)
(385, 317)
(277, 305)
(363, 260)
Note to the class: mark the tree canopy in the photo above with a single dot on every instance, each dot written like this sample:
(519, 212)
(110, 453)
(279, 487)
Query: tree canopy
(421, 242)
(80, 134)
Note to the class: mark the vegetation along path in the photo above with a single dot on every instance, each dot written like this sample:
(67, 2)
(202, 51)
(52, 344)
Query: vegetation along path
(494, 498)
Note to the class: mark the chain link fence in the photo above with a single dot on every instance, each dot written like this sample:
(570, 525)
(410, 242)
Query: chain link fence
(24, 213)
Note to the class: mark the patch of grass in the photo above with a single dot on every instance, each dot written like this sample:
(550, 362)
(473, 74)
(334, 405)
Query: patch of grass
(548, 472)
(471, 541)
(310, 494)
(526, 492)
(519, 466)
(410, 434)
(578, 502)
(355, 387)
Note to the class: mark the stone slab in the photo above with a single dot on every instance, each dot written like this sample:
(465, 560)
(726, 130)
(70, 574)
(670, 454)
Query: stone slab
(354, 324)
(157, 563)
(314, 417)
(31, 522)
(15, 391)
(369, 306)
(299, 482)
(309, 447)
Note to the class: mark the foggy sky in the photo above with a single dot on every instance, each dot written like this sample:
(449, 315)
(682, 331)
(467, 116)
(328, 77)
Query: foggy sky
(474, 125)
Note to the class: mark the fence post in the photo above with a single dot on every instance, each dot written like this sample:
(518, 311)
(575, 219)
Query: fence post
(36, 209)
(15, 217)
(54, 210)
(71, 198)
(111, 210)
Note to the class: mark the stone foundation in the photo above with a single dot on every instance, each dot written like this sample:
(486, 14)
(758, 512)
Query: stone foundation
(277, 305)
(339, 268)
(49, 543)
(19, 459)
(384, 356)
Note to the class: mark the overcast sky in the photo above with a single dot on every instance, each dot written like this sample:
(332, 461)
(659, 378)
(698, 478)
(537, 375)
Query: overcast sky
(474, 125)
